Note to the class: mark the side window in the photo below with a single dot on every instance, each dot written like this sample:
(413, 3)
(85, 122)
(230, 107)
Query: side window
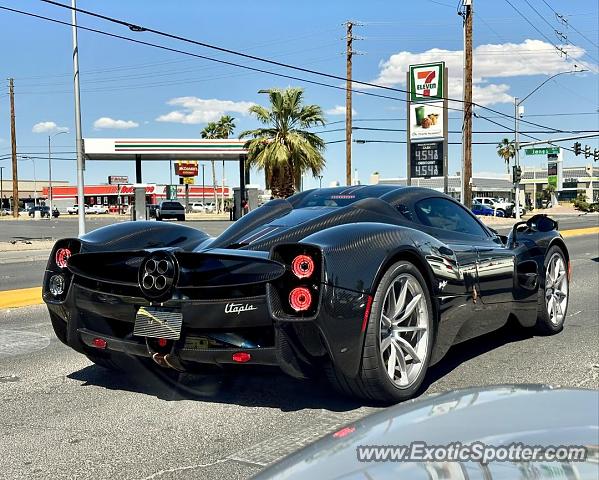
(446, 215)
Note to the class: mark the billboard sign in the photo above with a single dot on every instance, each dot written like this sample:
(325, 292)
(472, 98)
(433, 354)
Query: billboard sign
(117, 179)
(426, 81)
(427, 159)
(186, 169)
(426, 120)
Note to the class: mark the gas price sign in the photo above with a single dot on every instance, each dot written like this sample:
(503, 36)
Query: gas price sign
(427, 159)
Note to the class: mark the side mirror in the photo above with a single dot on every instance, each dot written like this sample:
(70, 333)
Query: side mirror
(541, 223)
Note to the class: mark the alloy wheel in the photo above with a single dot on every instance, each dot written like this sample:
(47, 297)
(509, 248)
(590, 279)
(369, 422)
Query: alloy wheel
(404, 330)
(556, 289)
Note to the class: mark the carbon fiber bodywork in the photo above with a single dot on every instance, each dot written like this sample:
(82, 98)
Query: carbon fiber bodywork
(233, 291)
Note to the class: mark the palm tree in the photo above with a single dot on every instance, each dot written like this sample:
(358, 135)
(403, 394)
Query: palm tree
(225, 127)
(284, 149)
(507, 151)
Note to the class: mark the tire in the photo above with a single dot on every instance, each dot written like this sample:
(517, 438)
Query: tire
(552, 306)
(373, 382)
(181, 218)
(158, 218)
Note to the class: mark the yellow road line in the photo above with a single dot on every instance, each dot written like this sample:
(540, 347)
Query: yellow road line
(577, 232)
(25, 297)
(21, 298)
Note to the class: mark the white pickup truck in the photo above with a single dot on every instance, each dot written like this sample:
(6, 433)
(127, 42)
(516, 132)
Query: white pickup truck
(74, 210)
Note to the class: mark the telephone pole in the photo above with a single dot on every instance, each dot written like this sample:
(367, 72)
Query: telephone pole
(78, 135)
(348, 101)
(349, 53)
(13, 144)
(467, 125)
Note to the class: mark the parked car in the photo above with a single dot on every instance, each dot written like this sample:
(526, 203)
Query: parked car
(98, 209)
(152, 210)
(44, 211)
(74, 210)
(170, 209)
(198, 207)
(493, 203)
(480, 209)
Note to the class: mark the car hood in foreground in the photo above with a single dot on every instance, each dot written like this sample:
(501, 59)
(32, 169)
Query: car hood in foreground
(532, 415)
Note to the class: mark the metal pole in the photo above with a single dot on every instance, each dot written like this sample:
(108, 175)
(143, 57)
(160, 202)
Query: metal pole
(408, 131)
(49, 176)
(78, 135)
(516, 157)
(171, 172)
(445, 133)
(34, 184)
(203, 187)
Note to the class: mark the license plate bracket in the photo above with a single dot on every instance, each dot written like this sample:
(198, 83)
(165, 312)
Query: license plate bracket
(158, 322)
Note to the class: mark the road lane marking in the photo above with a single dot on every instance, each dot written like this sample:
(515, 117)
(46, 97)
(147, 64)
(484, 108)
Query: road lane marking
(33, 296)
(22, 297)
(577, 232)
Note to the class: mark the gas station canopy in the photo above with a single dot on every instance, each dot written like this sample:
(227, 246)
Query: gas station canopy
(163, 149)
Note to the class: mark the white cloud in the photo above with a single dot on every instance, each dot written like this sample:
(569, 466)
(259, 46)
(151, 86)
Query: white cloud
(339, 110)
(194, 110)
(531, 57)
(107, 122)
(48, 127)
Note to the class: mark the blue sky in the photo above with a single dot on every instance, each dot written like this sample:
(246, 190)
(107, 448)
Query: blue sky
(131, 90)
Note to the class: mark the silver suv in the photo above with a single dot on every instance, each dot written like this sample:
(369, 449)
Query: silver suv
(170, 209)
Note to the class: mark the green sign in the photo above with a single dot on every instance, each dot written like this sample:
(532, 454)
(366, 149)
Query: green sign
(171, 192)
(552, 180)
(542, 151)
(426, 81)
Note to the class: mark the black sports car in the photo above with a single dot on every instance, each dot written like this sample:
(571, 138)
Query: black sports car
(369, 284)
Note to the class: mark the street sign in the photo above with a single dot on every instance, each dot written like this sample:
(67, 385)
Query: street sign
(188, 180)
(426, 81)
(542, 151)
(171, 192)
(426, 159)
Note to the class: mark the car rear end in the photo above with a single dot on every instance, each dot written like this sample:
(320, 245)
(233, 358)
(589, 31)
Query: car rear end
(170, 210)
(185, 309)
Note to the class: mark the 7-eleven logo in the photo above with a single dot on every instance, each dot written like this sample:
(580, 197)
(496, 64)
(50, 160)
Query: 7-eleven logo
(426, 81)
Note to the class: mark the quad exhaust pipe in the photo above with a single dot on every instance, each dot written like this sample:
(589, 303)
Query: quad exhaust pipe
(167, 361)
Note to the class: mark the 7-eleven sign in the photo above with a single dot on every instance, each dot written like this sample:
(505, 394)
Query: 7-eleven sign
(426, 81)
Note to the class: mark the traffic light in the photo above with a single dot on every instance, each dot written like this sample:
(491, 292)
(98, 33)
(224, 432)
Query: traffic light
(587, 151)
(577, 148)
(596, 154)
(516, 174)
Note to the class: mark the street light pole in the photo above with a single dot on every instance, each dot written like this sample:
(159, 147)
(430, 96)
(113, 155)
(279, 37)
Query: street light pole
(319, 181)
(517, 107)
(50, 137)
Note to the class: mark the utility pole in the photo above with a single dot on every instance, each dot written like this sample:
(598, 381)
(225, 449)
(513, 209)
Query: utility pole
(78, 136)
(516, 157)
(467, 124)
(349, 53)
(348, 101)
(13, 144)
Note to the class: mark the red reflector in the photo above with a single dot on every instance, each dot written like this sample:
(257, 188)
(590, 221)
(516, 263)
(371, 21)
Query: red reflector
(569, 270)
(300, 299)
(99, 343)
(344, 432)
(241, 357)
(302, 266)
(367, 312)
(162, 342)
(62, 256)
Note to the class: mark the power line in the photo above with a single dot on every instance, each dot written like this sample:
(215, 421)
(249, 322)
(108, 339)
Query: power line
(138, 28)
(570, 25)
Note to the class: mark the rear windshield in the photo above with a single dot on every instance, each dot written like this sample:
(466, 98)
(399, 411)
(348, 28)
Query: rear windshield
(171, 205)
(330, 199)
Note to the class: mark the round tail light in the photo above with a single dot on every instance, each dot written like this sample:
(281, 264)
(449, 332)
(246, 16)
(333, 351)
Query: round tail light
(300, 299)
(302, 266)
(62, 256)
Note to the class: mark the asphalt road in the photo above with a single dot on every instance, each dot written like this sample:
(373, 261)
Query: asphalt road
(63, 417)
(26, 269)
